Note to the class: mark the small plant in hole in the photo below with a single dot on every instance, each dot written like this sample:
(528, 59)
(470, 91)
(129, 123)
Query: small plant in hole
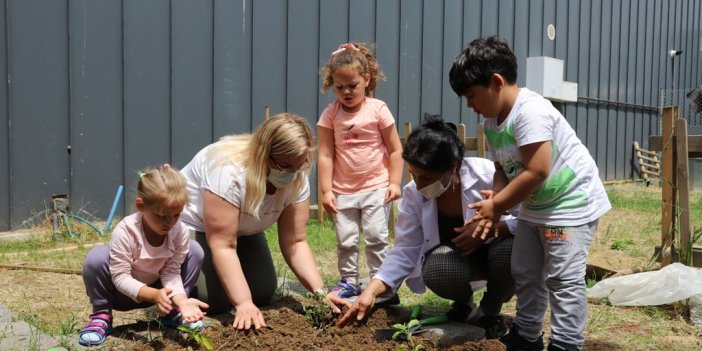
(621, 245)
(196, 334)
(317, 311)
(404, 332)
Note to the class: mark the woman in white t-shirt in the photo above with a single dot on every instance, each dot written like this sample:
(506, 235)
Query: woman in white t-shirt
(238, 187)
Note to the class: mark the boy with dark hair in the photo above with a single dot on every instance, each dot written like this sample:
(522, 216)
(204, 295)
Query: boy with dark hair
(542, 164)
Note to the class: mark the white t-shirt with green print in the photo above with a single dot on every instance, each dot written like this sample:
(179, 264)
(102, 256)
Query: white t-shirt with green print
(573, 193)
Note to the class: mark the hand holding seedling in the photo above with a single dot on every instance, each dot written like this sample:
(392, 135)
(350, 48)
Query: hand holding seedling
(248, 315)
(485, 216)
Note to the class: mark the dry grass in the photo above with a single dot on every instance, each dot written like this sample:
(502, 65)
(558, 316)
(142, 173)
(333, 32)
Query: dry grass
(626, 238)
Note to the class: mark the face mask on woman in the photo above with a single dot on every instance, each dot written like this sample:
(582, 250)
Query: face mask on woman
(436, 188)
(281, 179)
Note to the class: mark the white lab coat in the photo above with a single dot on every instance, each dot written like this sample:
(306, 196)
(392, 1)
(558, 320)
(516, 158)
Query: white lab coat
(417, 228)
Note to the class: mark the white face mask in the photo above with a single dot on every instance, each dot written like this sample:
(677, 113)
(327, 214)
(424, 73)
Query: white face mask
(281, 179)
(436, 188)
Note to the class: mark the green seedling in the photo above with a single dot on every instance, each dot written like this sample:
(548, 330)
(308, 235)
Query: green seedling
(318, 312)
(197, 335)
(403, 331)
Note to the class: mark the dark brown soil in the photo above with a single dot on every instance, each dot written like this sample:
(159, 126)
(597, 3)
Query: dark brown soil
(288, 329)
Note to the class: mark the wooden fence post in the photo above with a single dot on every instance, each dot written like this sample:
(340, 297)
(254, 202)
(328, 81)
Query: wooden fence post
(683, 191)
(481, 147)
(670, 114)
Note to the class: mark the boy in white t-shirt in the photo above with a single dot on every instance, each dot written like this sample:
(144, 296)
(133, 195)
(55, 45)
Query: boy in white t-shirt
(540, 163)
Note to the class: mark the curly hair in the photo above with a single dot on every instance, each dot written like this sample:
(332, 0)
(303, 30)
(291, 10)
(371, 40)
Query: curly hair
(362, 60)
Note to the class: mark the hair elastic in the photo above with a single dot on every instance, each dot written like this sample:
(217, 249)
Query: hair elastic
(342, 47)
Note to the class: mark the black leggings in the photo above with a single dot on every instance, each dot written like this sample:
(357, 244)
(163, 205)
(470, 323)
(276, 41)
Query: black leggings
(257, 264)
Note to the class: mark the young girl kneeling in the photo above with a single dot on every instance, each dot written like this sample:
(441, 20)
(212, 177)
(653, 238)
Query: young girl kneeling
(150, 260)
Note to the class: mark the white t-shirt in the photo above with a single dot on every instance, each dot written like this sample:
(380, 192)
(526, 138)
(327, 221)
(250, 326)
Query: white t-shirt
(573, 193)
(228, 181)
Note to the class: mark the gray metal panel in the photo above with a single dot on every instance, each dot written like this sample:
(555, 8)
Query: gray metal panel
(471, 30)
(232, 68)
(562, 33)
(410, 61)
(96, 133)
(432, 61)
(488, 19)
(38, 104)
(147, 74)
(520, 43)
(452, 46)
(567, 38)
(329, 40)
(593, 81)
(387, 53)
(270, 50)
(626, 126)
(605, 63)
(536, 27)
(616, 79)
(191, 78)
(5, 186)
(361, 20)
(549, 17)
(505, 20)
(303, 81)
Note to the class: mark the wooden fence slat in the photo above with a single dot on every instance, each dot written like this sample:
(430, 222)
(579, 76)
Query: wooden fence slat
(683, 191)
(670, 114)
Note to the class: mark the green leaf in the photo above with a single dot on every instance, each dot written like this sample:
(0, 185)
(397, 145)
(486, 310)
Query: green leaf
(397, 334)
(413, 323)
(398, 326)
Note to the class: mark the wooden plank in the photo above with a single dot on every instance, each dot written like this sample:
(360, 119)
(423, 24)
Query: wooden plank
(683, 190)
(694, 143)
(668, 191)
(461, 132)
(482, 145)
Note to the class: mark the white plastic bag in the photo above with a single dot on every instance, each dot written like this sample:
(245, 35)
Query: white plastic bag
(672, 283)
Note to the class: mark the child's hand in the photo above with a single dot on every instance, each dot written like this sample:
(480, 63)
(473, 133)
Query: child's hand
(191, 312)
(329, 202)
(485, 217)
(393, 193)
(163, 301)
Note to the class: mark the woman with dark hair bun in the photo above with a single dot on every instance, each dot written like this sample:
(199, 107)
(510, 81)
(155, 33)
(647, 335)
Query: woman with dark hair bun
(433, 246)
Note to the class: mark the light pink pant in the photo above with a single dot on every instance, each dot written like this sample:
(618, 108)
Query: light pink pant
(369, 212)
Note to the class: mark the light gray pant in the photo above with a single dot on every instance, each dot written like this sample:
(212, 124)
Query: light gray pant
(369, 211)
(257, 264)
(548, 266)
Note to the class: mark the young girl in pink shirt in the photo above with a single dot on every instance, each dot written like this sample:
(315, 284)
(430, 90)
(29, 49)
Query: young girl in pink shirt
(150, 260)
(360, 161)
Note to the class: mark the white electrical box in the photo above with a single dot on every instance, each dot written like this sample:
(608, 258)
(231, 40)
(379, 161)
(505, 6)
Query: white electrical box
(544, 75)
(569, 92)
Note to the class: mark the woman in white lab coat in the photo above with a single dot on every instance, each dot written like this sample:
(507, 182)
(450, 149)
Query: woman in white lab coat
(433, 248)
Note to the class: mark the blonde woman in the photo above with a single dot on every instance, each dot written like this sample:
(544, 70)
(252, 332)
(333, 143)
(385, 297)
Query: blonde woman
(238, 187)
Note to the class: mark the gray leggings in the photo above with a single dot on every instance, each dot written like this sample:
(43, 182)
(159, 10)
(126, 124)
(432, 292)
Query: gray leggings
(448, 274)
(257, 264)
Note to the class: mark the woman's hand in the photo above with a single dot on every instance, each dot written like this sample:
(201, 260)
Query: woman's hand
(465, 241)
(334, 301)
(357, 311)
(393, 193)
(247, 315)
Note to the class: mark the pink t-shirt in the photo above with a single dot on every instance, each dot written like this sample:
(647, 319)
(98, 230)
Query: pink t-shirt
(361, 160)
(135, 263)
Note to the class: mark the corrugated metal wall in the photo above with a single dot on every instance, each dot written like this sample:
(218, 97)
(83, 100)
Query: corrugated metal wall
(131, 83)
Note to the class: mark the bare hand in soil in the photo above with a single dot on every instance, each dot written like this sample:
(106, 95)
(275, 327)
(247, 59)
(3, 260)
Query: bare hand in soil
(247, 314)
(334, 301)
(360, 307)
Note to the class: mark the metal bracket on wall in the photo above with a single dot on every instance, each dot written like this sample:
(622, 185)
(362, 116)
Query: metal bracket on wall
(625, 105)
